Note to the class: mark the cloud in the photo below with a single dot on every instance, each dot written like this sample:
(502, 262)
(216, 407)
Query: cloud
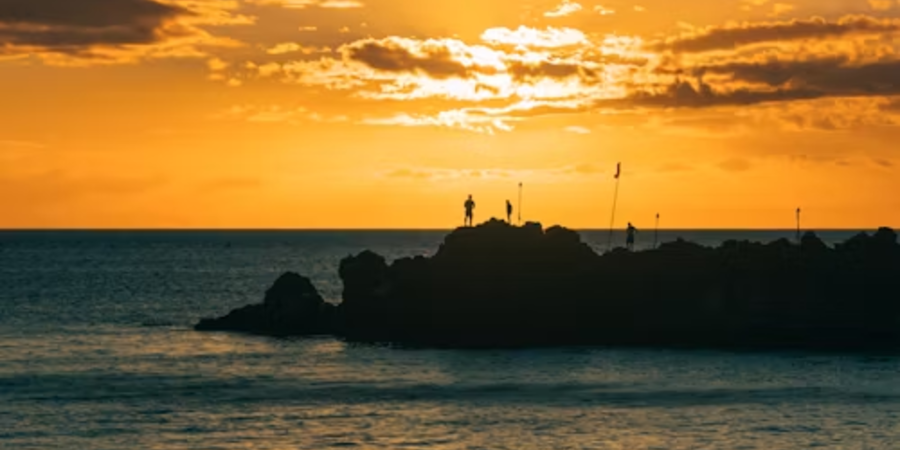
(747, 5)
(68, 26)
(827, 77)
(487, 173)
(432, 57)
(687, 94)
(891, 105)
(449, 174)
(459, 119)
(566, 8)
(293, 47)
(111, 32)
(604, 11)
(578, 130)
(396, 68)
(512, 74)
(730, 37)
(86, 14)
(881, 5)
(411, 173)
(341, 4)
(532, 37)
(273, 114)
(780, 9)
(523, 72)
(752, 81)
(217, 65)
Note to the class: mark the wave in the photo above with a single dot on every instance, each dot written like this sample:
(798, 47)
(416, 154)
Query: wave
(186, 389)
(158, 323)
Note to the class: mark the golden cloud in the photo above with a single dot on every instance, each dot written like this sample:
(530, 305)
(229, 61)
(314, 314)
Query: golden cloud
(406, 69)
(459, 119)
(524, 72)
(463, 174)
(273, 114)
(293, 47)
(532, 37)
(566, 8)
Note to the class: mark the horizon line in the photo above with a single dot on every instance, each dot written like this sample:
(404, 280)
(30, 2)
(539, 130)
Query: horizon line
(376, 229)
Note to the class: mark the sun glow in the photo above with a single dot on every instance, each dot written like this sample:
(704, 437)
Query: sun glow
(189, 113)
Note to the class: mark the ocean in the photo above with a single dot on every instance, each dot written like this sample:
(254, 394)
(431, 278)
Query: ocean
(97, 352)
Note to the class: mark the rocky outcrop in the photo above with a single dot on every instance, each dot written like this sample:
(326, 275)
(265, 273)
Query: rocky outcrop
(497, 285)
(484, 285)
(292, 307)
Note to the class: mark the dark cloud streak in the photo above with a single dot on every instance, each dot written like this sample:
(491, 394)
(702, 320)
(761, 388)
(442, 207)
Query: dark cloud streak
(683, 94)
(771, 81)
(67, 26)
(522, 71)
(96, 14)
(734, 36)
(393, 57)
(87, 32)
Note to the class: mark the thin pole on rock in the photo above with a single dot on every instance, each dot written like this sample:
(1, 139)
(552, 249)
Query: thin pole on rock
(798, 225)
(520, 204)
(612, 220)
(656, 233)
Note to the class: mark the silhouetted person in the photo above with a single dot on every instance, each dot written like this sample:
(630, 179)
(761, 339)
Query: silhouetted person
(509, 211)
(470, 211)
(629, 239)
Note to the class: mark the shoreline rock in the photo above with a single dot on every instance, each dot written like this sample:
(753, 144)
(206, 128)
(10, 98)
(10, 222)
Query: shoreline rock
(291, 307)
(498, 285)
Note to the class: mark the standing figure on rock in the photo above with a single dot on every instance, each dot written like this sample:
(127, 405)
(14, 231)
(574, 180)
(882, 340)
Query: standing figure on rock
(629, 239)
(509, 211)
(470, 212)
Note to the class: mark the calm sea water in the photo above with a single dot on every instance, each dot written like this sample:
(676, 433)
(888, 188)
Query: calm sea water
(96, 352)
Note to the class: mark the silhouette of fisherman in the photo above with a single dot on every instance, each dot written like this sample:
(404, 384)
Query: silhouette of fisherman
(509, 211)
(629, 239)
(470, 211)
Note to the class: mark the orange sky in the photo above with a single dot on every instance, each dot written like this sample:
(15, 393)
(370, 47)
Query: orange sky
(388, 113)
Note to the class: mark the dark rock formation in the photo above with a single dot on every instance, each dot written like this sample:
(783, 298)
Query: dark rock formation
(484, 285)
(497, 285)
(292, 307)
